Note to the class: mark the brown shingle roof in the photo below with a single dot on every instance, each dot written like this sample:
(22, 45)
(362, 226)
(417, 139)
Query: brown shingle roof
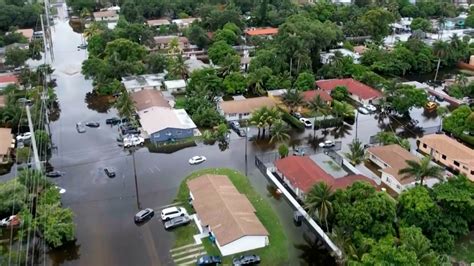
(103, 14)
(229, 213)
(147, 98)
(5, 140)
(395, 157)
(449, 147)
(158, 22)
(246, 105)
(168, 39)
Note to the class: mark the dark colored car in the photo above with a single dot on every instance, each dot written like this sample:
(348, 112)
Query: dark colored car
(298, 152)
(54, 174)
(93, 124)
(209, 260)
(82, 46)
(234, 125)
(246, 260)
(112, 121)
(144, 215)
(178, 221)
(109, 172)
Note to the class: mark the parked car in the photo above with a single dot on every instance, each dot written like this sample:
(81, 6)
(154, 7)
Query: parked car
(178, 221)
(327, 144)
(80, 128)
(297, 115)
(24, 136)
(306, 122)
(172, 212)
(112, 121)
(60, 190)
(109, 172)
(82, 46)
(93, 124)
(370, 107)
(234, 125)
(431, 106)
(298, 152)
(197, 160)
(362, 110)
(246, 260)
(144, 215)
(54, 174)
(12, 220)
(133, 141)
(209, 260)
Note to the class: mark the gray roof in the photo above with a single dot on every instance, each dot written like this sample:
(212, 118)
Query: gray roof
(142, 81)
(193, 64)
(155, 119)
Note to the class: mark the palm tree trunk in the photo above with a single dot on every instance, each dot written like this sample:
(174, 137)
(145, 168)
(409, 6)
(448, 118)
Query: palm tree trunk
(437, 68)
(291, 66)
(421, 181)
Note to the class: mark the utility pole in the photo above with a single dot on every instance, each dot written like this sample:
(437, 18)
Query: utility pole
(246, 140)
(136, 181)
(33, 139)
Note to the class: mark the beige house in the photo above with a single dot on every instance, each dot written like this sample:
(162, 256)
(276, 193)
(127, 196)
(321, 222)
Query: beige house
(158, 22)
(107, 15)
(227, 214)
(7, 144)
(163, 42)
(241, 108)
(449, 153)
(391, 159)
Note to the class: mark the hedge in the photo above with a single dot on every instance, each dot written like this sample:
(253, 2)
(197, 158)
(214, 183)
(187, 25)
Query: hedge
(293, 121)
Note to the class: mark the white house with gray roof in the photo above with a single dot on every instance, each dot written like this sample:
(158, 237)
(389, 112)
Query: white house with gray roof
(141, 82)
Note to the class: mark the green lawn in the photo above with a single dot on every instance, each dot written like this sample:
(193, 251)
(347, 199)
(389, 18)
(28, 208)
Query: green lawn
(275, 253)
(464, 249)
(179, 101)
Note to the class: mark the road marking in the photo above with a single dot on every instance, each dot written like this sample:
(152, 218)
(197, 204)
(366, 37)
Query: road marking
(151, 170)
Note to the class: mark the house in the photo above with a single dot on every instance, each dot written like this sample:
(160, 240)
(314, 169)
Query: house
(8, 79)
(106, 15)
(28, 33)
(193, 64)
(245, 61)
(227, 214)
(7, 143)
(265, 32)
(183, 23)
(2, 101)
(358, 91)
(310, 95)
(158, 22)
(163, 42)
(449, 153)
(166, 124)
(242, 109)
(301, 173)
(328, 57)
(141, 82)
(175, 86)
(391, 159)
(145, 99)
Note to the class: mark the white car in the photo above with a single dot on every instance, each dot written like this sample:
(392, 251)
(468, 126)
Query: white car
(10, 221)
(197, 159)
(24, 136)
(133, 141)
(327, 144)
(370, 107)
(172, 212)
(362, 110)
(60, 189)
(306, 122)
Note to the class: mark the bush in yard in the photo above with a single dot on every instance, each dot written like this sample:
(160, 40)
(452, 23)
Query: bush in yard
(293, 121)
(283, 150)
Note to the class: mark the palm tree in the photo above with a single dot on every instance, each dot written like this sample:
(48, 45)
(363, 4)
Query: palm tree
(272, 115)
(318, 202)
(318, 106)
(441, 50)
(292, 99)
(258, 119)
(421, 169)
(178, 67)
(125, 105)
(279, 132)
(342, 109)
(357, 152)
(94, 29)
(461, 80)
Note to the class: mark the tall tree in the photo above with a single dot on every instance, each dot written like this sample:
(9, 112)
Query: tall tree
(279, 131)
(356, 152)
(318, 202)
(293, 99)
(422, 169)
(125, 105)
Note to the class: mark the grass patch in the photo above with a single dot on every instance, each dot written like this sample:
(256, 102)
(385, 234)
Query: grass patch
(464, 248)
(179, 101)
(184, 235)
(276, 252)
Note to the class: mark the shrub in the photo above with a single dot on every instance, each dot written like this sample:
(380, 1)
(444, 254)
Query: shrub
(293, 121)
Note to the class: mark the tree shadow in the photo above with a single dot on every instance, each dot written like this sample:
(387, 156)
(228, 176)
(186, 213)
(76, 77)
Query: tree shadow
(68, 252)
(341, 131)
(314, 252)
(99, 103)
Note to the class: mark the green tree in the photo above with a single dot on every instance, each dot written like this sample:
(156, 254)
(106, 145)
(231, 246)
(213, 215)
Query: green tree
(155, 63)
(56, 224)
(125, 105)
(422, 169)
(235, 83)
(342, 110)
(304, 82)
(219, 50)
(227, 36)
(12, 197)
(318, 202)
(257, 80)
(207, 117)
(33, 180)
(406, 97)
(340, 93)
(469, 22)
(197, 35)
(386, 251)
(16, 57)
(130, 11)
(279, 131)
(456, 122)
(442, 51)
(177, 67)
(356, 152)
(283, 150)
(376, 22)
(388, 137)
(293, 99)
(421, 24)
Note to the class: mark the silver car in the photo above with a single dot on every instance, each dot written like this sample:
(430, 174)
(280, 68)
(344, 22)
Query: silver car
(178, 221)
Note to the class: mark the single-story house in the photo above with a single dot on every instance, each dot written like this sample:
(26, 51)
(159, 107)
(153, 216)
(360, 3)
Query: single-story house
(227, 214)
(145, 99)
(165, 124)
(193, 64)
(163, 42)
(158, 22)
(310, 95)
(175, 86)
(301, 173)
(242, 109)
(184, 22)
(328, 57)
(449, 153)
(245, 61)
(8, 79)
(391, 159)
(261, 32)
(358, 91)
(7, 144)
(2, 101)
(106, 15)
(417, 85)
(28, 33)
(141, 82)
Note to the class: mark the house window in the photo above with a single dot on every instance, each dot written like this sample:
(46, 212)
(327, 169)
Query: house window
(443, 156)
(425, 146)
(472, 172)
(178, 132)
(157, 135)
(398, 186)
(246, 114)
(456, 163)
(465, 167)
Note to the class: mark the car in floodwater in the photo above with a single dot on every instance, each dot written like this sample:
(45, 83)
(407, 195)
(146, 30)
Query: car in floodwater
(177, 221)
(144, 215)
(80, 128)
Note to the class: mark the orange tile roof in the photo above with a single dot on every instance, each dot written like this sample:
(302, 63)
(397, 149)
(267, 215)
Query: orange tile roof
(261, 31)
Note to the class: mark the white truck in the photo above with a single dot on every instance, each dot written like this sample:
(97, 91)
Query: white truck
(133, 141)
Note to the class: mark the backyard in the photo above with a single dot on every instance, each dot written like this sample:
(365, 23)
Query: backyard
(275, 253)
